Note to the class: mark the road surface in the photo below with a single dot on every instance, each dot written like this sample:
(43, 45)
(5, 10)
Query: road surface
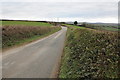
(35, 60)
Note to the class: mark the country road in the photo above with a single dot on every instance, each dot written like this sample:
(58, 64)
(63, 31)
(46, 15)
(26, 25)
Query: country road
(34, 60)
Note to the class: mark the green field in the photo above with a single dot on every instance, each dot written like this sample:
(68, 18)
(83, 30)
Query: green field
(98, 27)
(90, 53)
(111, 29)
(25, 23)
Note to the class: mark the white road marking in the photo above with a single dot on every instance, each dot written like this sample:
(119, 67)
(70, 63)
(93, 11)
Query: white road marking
(12, 62)
(57, 35)
(8, 63)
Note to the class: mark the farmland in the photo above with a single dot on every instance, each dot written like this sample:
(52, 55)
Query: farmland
(19, 32)
(90, 53)
(99, 26)
(25, 23)
(103, 26)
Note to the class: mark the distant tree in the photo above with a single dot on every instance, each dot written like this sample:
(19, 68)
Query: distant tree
(75, 23)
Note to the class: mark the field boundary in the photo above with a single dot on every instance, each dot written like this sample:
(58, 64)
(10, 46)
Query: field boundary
(30, 40)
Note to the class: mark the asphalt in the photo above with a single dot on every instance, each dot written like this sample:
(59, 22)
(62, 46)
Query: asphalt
(34, 60)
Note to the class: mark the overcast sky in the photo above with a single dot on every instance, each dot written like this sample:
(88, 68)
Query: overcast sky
(102, 11)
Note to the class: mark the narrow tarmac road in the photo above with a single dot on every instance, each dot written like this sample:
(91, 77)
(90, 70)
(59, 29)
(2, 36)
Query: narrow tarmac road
(35, 60)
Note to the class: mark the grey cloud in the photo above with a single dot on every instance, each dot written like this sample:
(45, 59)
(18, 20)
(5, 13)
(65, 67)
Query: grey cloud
(61, 9)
